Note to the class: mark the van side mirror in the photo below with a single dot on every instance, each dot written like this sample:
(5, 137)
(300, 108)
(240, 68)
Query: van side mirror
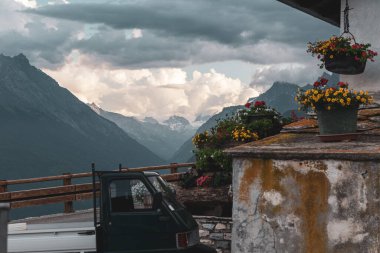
(157, 200)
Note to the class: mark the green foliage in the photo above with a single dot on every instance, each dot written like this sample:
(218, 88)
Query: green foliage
(265, 127)
(258, 121)
(212, 159)
(189, 180)
(222, 178)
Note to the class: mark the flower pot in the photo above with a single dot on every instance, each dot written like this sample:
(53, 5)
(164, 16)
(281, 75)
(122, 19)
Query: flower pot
(338, 121)
(253, 118)
(344, 64)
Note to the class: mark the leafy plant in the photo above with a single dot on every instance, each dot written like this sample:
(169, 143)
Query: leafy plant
(212, 159)
(250, 124)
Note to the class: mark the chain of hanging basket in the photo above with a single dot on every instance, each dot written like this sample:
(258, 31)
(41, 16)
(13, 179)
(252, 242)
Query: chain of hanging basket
(346, 22)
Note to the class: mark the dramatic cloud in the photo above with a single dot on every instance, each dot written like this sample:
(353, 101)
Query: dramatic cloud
(224, 21)
(176, 33)
(151, 92)
(131, 56)
(44, 41)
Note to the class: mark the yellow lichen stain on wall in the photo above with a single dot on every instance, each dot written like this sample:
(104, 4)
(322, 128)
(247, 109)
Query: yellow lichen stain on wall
(313, 208)
(250, 175)
(312, 199)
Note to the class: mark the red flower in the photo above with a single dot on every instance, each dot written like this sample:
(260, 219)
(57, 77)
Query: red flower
(324, 81)
(259, 103)
(202, 180)
(247, 105)
(355, 46)
(357, 58)
(342, 84)
(317, 84)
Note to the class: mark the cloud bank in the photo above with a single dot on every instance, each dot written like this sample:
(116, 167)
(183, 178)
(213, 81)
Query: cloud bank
(151, 92)
(130, 56)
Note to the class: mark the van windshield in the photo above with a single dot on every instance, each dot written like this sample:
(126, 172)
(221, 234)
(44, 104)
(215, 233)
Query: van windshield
(160, 184)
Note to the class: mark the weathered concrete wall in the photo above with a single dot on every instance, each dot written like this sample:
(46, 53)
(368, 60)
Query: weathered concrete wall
(215, 232)
(306, 206)
(364, 24)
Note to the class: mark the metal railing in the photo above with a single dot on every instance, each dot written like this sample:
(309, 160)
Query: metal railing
(69, 192)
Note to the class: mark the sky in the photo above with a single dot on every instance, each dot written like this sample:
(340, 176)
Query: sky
(149, 58)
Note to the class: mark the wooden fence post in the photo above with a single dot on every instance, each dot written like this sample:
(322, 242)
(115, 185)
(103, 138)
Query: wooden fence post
(4, 209)
(68, 205)
(173, 170)
(3, 186)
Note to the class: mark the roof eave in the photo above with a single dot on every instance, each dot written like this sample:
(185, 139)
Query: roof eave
(331, 19)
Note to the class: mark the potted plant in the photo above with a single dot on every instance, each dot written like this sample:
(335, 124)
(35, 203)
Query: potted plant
(336, 107)
(260, 118)
(342, 55)
(257, 111)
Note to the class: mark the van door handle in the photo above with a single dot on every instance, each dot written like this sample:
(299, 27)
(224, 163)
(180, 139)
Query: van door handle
(164, 218)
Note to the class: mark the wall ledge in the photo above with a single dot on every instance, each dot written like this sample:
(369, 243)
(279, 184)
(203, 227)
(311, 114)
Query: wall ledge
(307, 146)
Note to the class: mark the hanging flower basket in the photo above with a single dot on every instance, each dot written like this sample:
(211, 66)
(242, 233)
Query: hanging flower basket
(342, 55)
(336, 108)
(345, 64)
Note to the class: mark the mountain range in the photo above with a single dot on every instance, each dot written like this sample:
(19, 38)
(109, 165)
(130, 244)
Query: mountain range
(162, 139)
(46, 130)
(279, 96)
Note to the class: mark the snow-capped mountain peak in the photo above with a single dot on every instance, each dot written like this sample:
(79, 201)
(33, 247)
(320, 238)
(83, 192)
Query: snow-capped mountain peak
(177, 123)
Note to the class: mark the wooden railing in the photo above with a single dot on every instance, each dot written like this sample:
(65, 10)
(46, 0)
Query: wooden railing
(69, 192)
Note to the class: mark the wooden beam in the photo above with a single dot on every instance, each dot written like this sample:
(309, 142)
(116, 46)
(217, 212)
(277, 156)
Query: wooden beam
(42, 201)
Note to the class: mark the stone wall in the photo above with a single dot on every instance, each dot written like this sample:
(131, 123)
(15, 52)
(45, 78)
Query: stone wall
(215, 232)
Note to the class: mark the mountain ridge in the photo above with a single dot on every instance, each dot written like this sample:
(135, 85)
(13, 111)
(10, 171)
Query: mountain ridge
(162, 139)
(46, 128)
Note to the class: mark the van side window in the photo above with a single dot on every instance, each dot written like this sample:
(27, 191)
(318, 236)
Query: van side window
(128, 195)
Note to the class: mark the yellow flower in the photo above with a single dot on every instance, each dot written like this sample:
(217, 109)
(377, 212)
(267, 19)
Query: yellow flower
(358, 97)
(329, 108)
(328, 99)
(331, 56)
